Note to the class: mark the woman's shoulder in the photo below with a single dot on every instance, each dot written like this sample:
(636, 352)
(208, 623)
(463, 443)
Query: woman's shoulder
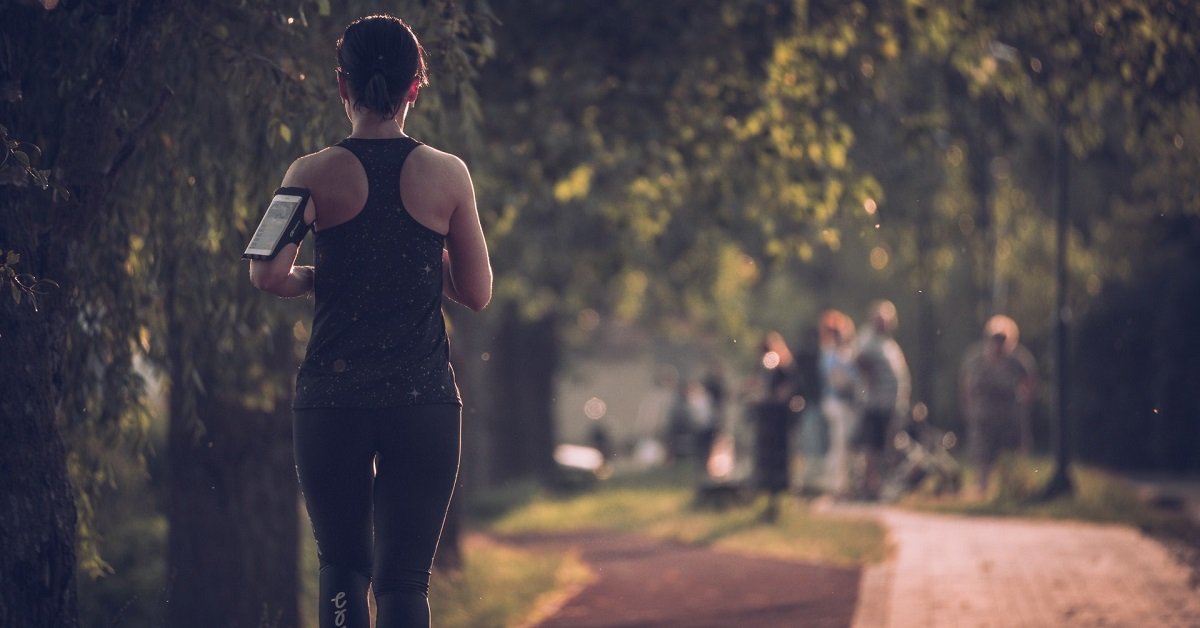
(315, 167)
(330, 155)
(432, 164)
(432, 157)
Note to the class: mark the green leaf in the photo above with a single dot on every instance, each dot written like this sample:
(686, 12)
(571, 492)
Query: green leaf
(285, 132)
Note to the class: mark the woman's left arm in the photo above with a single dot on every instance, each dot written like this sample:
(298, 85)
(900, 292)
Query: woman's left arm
(280, 276)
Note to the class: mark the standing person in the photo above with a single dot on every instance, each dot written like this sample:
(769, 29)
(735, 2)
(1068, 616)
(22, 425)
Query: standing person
(377, 411)
(813, 431)
(997, 382)
(838, 388)
(715, 388)
(773, 419)
(885, 385)
(653, 416)
(703, 414)
(680, 430)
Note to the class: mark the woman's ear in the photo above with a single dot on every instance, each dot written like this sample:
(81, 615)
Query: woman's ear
(413, 91)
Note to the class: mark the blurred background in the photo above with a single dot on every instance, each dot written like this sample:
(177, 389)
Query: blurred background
(661, 184)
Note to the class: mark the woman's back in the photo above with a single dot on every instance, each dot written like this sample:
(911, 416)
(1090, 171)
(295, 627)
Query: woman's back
(378, 336)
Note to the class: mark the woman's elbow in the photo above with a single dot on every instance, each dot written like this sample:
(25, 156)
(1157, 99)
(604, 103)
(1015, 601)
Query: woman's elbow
(263, 279)
(473, 290)
(478, 299)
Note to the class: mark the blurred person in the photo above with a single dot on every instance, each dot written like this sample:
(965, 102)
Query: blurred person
(377, 410)
(653, 412)
(839, 383)
(717, 390)
(997, 383)
(680, 435)
(813, 434)
(885, 384)
(773, 418)
(703, 413)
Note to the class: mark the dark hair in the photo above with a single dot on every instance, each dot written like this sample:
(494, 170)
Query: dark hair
(380, 57)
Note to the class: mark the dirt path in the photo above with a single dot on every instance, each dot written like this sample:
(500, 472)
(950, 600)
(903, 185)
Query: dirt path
(643, 582)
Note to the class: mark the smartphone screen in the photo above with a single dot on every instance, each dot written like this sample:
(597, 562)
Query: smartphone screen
(279, 215)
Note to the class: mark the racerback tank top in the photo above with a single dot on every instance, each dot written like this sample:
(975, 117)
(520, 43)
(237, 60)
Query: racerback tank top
(378, 336)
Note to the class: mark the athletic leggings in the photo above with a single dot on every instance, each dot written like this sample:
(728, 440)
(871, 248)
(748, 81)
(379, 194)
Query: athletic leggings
(377, 483)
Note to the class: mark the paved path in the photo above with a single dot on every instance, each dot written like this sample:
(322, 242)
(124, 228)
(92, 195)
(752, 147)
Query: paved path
(648, 583)
(974, 572)
(943, 571)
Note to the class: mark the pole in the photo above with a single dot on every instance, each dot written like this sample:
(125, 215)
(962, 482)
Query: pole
(1061, 483)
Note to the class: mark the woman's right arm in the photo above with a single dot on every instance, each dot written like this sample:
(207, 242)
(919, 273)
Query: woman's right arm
(467, 271)
(280, 276)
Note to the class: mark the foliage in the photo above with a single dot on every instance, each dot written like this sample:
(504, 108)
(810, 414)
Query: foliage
(673, 148)
(22, 285)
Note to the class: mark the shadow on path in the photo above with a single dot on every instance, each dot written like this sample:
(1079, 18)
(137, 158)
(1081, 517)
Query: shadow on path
(646, 582)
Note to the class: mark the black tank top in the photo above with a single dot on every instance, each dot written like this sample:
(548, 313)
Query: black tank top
(378, 337)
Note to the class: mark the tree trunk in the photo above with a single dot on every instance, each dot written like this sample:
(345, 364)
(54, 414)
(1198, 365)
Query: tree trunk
(926, 357)
(232, 544)
(232, 510)
(525, 364)
(1061, 482)
(468, 347)
(37, 503)
(980, 156)
(471, 353)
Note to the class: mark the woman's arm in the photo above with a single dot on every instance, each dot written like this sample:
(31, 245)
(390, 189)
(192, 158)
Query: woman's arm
(467, 271)
(280, 276)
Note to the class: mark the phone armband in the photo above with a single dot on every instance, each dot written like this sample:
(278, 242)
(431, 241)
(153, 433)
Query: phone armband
(282, 224)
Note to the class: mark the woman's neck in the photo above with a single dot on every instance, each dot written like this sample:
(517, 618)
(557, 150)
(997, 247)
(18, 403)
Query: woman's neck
(367, 125)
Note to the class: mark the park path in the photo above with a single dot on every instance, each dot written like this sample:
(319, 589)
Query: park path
(943, 570)
(957, 571)
(645, 583)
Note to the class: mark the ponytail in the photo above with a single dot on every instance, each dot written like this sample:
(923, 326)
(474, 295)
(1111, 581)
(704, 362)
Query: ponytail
(376, 97)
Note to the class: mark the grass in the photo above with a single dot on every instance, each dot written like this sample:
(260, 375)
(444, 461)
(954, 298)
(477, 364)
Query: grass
(1017, 487)
(503, 586)
(662, 506)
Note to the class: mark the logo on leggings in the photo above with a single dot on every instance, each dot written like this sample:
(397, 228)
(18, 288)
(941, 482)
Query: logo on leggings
(339, 606)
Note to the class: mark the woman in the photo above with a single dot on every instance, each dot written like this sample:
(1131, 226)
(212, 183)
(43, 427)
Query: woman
(377, 411)
(838, 385)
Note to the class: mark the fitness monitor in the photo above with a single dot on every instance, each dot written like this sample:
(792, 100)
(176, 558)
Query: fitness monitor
(282, 224)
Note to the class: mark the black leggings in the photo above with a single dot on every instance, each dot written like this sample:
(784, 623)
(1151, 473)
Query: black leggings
(377, 483)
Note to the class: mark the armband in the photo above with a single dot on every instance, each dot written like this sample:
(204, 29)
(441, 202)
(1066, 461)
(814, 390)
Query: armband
(282, 224)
